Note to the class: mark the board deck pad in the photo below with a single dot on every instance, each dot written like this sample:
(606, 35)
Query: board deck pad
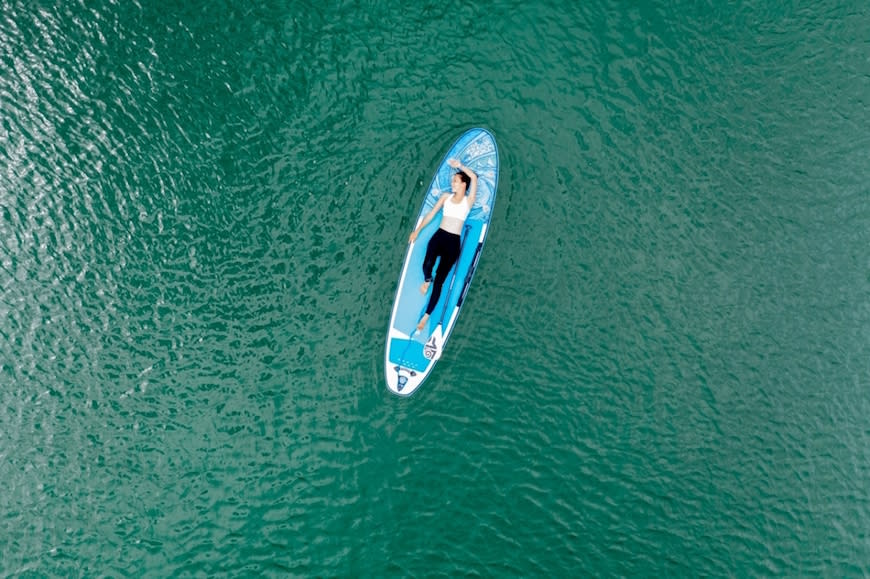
(410, 355)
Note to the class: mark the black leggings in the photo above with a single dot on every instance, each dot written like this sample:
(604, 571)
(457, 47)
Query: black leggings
(446, 246)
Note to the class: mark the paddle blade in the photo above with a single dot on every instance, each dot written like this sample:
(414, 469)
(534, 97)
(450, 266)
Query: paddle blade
(432, 349)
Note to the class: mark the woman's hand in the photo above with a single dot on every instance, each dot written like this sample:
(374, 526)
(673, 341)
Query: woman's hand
(413, 237)
(454, 163)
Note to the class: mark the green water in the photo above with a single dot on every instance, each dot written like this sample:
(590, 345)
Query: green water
(663, 365)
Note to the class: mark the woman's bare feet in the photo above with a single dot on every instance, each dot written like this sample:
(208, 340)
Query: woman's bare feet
(422, 323)
(425, 287)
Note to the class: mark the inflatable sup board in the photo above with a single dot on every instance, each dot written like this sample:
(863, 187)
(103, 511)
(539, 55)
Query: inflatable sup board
(410, 354)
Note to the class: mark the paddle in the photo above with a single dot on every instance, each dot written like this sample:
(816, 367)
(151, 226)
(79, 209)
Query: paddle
(432, 350)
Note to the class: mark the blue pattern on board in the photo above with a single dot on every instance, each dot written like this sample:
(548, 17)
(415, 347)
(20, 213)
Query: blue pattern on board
(477, 151)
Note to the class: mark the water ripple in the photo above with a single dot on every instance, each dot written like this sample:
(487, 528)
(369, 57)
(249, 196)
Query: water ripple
(661, 368)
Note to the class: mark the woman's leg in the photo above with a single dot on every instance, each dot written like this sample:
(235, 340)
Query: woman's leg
(433, 250)
(449, 255)
(430, 257)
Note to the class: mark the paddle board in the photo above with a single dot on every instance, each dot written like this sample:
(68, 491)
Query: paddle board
(411, 355)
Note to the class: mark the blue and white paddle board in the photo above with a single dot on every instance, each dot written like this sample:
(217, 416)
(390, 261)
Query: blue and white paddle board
(411, 355)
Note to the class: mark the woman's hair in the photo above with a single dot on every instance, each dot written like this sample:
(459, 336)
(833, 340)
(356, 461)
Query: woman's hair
(465, 179)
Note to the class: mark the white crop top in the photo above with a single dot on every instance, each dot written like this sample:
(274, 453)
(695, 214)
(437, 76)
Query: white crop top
(454, 215)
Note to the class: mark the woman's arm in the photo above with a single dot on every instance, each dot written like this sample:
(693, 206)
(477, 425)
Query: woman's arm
(428, 218)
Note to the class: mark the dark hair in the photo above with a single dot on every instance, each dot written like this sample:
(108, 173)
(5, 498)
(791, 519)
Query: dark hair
(465, 179)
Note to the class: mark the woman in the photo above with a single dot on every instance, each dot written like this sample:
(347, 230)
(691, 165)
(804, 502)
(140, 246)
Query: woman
(445, 243)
